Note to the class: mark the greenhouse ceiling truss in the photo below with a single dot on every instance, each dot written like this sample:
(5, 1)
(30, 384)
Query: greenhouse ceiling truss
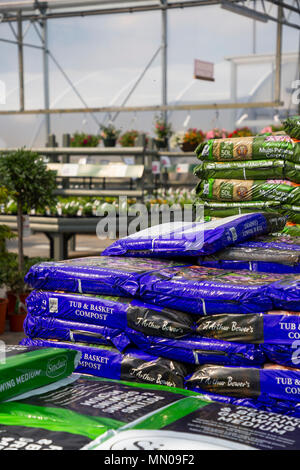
(39, 13)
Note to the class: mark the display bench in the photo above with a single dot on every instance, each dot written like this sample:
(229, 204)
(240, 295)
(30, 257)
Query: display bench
(111, 180)
(61, 230)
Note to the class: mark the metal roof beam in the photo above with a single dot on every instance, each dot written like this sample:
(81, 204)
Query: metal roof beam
(130, 109)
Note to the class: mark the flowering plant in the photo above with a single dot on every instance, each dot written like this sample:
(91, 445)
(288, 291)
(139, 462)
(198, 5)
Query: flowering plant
(190, 138)
(128, 138)
(162, 129)
(217, 134)
(271, 129)
(193, 136)
(109, 132)
(241, 132)
(80, 139)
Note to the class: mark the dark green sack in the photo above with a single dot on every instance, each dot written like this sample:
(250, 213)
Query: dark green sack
(249, 170)
(292, 127)
(227, 209)
(253, 190)
(261, 147)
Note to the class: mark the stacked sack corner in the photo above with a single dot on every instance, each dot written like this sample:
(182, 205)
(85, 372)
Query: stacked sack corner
(232, 335)
(249, 174)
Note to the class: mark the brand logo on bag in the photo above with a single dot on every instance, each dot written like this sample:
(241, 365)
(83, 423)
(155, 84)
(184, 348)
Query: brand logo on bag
(56, 367)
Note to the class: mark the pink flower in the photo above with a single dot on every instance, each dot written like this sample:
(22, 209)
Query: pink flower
(266, 130)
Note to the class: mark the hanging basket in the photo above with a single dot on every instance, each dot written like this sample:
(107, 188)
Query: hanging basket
(109, 142)
(188, 147)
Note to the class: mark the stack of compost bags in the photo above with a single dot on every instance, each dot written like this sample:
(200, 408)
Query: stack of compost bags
(250, 174)
(172, 322)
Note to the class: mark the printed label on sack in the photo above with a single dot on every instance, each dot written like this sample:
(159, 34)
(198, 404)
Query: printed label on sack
(57, 367)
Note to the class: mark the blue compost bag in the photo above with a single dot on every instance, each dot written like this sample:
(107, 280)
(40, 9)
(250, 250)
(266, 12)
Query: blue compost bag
(285, 293)
(109, 363)
(264, 254)
(202, 290)
(112, 312)
(278, 328)
(64, 330)
(271, 381)
(195, 238)
(195, 350)
(256, 266)
(284, 354)
(94, 275)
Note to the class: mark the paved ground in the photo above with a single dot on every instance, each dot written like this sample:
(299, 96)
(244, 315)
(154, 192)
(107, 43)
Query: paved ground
(38, 245)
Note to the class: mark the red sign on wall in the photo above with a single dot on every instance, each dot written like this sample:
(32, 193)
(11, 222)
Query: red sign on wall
(204, 70)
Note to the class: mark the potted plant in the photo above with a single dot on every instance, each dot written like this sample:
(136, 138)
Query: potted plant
(241, 132)
(128, 138)
(189, 140)
(217, 134)
(163, 132)
(80, 139)
(30, 184)
(13, 279)
(109, 135)
(5, 234)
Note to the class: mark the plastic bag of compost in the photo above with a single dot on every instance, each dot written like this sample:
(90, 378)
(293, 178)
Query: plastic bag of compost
(195, 350)
(284, 191)
(72, 415)
(292, 127)
(286, 293)
(95, 275)
(26, 368)
(134, 366)
(64, 330)
(202, 290)
(271, 381)
(266, 254)
(229, 209)
(275, 327)
(112, 312)
(285, 354)
(292, 229)
(260, 147)
(249, 170)
(197, 238)
(196, 423)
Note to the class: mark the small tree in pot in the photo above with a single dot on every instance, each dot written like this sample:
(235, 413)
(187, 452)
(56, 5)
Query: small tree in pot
(29, 182)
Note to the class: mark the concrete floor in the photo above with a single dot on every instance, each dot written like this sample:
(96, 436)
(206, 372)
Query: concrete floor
(38, 245)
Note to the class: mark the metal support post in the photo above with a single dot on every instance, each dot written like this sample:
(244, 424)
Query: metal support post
(46, 77)
(21, 61)
(164, 64)
(277, 91)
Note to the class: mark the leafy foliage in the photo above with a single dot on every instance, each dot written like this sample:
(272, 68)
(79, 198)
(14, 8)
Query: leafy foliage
(80, 139)
(27, 179)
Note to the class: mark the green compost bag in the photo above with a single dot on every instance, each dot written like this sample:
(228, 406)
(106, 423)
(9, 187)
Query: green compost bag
(194, 423)
(292, 229)
(224, 190)
(292, 213)
(26, 368)
(260, 147)
(80, 409)
(249, 170)
(292, 127)
(227, 209)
